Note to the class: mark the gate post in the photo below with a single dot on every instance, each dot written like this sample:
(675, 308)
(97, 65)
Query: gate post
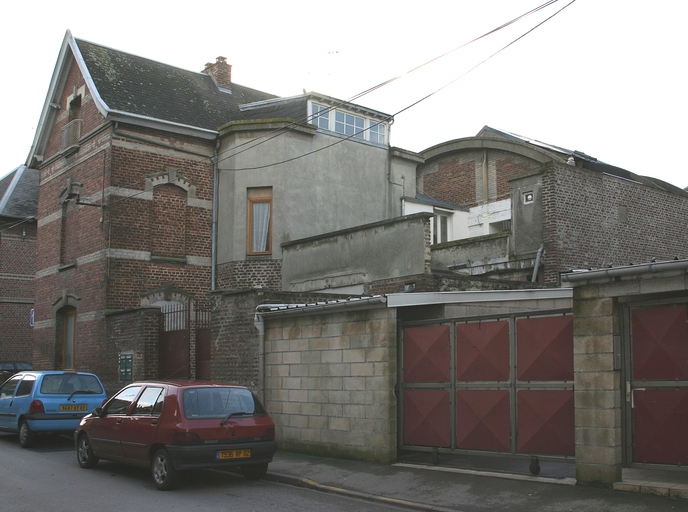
(597, 387)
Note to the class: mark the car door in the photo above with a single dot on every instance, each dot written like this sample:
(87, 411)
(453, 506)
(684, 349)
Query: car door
(106, 429)
(23, 396)
(139, 427)
(7, 399)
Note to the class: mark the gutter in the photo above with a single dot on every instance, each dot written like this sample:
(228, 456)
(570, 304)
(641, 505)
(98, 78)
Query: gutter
(633, 270)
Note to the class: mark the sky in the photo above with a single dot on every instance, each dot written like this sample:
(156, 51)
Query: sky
(605, 77)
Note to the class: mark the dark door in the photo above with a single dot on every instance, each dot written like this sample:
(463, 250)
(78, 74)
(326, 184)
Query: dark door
(658, 386)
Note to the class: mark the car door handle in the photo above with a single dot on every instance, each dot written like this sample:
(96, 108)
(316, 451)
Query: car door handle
(119, 420)
(154, 422)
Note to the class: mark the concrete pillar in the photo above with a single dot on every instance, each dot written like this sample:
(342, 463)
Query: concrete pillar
(597, 388)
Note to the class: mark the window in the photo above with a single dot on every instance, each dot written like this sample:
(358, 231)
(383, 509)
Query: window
(259, 220)
(441, 231)
(150, 403)
(348, 124)
(377, 133)
(219, 402)
(68, 340)
(26, 386)
(321, 117)
(121, 402)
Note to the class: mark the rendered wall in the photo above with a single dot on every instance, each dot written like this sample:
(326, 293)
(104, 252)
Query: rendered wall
(383, 250)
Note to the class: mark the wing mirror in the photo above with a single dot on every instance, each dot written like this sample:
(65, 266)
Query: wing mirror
(98, 412)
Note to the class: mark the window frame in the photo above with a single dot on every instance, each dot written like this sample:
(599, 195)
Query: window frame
(373, 130)
(254, 196)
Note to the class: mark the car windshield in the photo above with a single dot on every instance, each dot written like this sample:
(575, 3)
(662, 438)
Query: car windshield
(219, 402)
(69, 383)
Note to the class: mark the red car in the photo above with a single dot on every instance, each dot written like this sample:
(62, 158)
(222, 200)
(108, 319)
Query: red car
(171, 426)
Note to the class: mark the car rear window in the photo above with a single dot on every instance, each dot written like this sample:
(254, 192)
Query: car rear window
(220, 402)
(61, 383)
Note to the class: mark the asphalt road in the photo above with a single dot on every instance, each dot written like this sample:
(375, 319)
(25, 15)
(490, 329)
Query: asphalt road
(48, 478)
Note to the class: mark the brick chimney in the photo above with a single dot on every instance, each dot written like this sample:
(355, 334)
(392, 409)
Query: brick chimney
(220, 71)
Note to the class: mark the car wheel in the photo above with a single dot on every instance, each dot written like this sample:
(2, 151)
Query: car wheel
(164, 475)
(27, 437)
(254, 471)
(84, 453)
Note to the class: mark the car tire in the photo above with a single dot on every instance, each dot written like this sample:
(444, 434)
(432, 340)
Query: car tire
(164, 474)
(254, 471)
(27, 437)
(84, 453)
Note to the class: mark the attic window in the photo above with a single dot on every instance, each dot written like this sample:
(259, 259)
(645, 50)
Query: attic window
(348, 124)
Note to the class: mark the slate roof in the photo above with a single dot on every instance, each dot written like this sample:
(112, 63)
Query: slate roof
(143, 87)
(19, 193)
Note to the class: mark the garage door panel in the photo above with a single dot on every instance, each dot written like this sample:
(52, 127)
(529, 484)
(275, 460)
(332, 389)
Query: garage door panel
(482, 351)
(546, 422)
(483, 420)
(426, 354)
(661, 423)
(660, 343)
(426, 418)
(545, 348)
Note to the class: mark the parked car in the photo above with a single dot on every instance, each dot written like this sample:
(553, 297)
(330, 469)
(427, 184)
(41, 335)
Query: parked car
(172, 425)
(47, 401)
(9, 368)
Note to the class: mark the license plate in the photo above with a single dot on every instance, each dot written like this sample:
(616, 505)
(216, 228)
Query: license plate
(233, 454)
(72, 408)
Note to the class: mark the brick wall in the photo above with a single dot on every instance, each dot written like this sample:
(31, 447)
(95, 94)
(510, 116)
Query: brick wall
(330, 383)
(257, 272)
(592, 220)
(134, 332)
(458, 177)
(17, 268)
(154, 230)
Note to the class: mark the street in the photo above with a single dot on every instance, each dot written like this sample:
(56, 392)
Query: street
(47, 477)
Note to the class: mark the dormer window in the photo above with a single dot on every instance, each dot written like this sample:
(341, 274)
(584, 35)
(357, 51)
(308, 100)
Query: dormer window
(348, 124)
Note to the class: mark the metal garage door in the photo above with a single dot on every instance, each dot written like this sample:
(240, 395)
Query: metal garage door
(501, 385)
(658, 385)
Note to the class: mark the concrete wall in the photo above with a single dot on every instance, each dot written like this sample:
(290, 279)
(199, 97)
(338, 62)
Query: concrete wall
(382, 250)
(348, 184)
(330, 383)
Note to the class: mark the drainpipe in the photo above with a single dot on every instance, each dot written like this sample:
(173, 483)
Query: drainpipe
(213, 247)
(259, 322)
(537, 263)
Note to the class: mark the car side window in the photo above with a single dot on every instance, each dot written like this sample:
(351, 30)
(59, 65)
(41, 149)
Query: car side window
(7, 389)
(150, 402)
(26, 386)
(121, 401)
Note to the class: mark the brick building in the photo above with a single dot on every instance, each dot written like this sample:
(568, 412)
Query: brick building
(18, 209)
(125, 202)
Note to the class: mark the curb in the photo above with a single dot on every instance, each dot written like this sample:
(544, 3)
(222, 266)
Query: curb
(384, 500)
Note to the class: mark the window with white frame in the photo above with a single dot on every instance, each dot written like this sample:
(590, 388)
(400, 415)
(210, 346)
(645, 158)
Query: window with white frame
(320, 116)
(441, 231)
(348, 124)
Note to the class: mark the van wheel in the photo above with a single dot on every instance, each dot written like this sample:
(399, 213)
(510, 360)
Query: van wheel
(84, 453)
(164, 475)
(254, 471)
(27, 437)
